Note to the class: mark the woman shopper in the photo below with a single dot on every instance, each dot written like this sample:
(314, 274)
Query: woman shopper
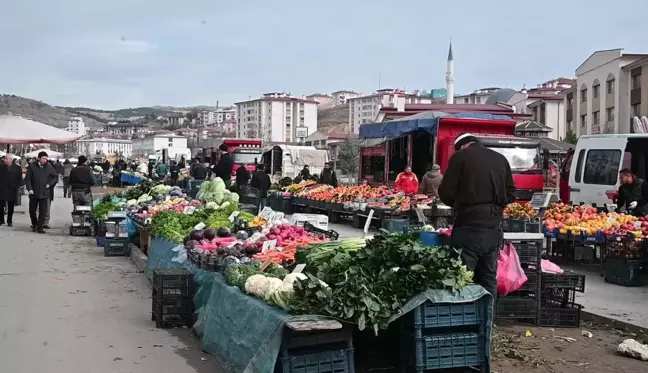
(67, 168)
(10, 179)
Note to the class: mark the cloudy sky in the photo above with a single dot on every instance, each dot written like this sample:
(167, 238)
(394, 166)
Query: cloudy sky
(128, 53)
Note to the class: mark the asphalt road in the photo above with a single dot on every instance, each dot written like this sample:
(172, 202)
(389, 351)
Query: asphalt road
(64, 308)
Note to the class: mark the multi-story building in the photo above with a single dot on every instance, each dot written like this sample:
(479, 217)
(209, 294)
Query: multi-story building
(149, 145)
(341, 97)
(365, 109)
(176, 119)
(276, 117)
(76, 125)
(206, 118)
(225, 114)
(608, 93)
(104, 146)
(123, 128)
(324, 101)
(478, 96)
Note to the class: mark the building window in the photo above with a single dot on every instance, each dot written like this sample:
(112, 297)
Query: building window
(596, 117)
(610, 86)
(465, 100)
(596, 90)
(636, 81)
(584, 95)
(636, 109)
(584, 120)
(602, 167)
(609, 113)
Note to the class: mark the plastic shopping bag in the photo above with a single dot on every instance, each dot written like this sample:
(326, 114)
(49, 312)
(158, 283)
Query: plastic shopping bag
(510, 275)
(550, 267)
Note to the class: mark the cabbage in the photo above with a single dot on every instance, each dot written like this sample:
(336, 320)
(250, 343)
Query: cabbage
(131, 202)
(211, 205)
(219, 185)
(218, 197)
(234, 197)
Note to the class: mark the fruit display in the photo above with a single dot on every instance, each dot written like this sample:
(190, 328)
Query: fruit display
(297, 187)
(585, 220)
(625, 248)
(519, 211)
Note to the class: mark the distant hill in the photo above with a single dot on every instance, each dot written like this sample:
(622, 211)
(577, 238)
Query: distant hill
(332, 116)
(147, 111)
(42, 112)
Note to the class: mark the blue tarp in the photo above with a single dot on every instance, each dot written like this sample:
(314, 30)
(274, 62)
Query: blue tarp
(426, 121)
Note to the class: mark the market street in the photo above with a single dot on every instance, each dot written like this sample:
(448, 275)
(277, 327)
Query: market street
(66, 308)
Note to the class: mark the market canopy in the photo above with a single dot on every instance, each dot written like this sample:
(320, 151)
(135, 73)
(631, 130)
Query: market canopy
(18, 130)
(554, 146)
(427, 121)
(301, 155)
(50, 153)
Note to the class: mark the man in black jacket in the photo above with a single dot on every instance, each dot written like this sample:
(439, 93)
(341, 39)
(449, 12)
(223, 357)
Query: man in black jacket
(198, 170)
(328, 176)
(10, 179)
(81, 180)
(261, 180)
(478, 184)
(242, 177)
(225, 165)
(39, 180)
(633, 194)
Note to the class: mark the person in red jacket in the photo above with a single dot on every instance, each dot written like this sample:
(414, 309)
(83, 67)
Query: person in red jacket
(407, 181)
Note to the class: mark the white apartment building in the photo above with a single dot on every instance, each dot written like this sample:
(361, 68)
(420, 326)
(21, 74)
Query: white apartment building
(124, 128)
(324, 101)
(226, 114)
(608, 93)
(76, 125)
(104, 146)
(365, 109)
(342, 97)
(176, 119)
(276, 117)
(206, 118)
(478, 96)
(149, 145)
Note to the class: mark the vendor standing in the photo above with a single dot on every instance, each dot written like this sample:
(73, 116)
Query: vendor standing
(633, 194)
(242, 177)
(431, 181)
(225, 166)
(407, 181)
(328, 177)
(478, 184)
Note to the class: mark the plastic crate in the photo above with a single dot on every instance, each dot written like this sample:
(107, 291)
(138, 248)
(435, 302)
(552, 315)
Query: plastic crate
(330, 234)
(175, 278)
(532, 284)
(516, 225)
(624, 247)
(561, 296)
(170, 294)
(555, 315)
(287, 205)
(529, 252)
(395, 225)
(518, 306)
(624, 272)
(172, 313)
(334, 361)
(444, 351)
(533, 226)
(116, 247)
(568, 279)
(442, 315)
(80, 231)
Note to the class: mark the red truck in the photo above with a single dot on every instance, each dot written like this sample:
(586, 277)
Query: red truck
(245, 153)
(423, 141)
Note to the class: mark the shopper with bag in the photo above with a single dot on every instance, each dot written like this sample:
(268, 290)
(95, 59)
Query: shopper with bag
(478, 184)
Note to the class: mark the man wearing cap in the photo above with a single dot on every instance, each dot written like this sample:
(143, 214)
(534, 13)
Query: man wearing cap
(81, 180)
(39, 180)
(225, 165)
(478, 184)
(431, 181)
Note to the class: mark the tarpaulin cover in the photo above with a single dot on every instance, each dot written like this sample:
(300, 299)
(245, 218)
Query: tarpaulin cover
(245, 333)
(18, 130)
(426, 121)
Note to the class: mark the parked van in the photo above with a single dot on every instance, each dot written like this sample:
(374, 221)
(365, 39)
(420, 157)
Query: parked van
(590, 174)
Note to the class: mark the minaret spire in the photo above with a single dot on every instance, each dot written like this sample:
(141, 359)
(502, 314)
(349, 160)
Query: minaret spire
(450, 77)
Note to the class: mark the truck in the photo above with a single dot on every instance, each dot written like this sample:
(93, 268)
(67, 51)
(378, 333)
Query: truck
(245, 153)
(427, 138)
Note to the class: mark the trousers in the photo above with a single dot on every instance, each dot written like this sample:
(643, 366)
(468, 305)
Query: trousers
(39, 204)
(10, 210)
(480, 247)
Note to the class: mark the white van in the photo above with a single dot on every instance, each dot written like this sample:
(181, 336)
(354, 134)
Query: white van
(592, 170)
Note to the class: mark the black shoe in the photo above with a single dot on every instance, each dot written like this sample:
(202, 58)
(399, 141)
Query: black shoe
(41, 231)
(9, 224)
(34, 229)
(46, 227)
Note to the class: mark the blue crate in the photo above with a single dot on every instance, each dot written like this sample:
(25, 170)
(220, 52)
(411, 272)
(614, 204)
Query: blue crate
(430, 238)
(333, 361)
(549, 233)
(395, 225)
(440, 315)
(446, 351)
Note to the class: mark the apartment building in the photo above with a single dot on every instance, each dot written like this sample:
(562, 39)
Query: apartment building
(342, 97)
(478, 96)
(365, 109)
(149, 145)
(276, 117)
(104, 146)
(226, 114)
(124, 128)
(608, 93)
(325, 101)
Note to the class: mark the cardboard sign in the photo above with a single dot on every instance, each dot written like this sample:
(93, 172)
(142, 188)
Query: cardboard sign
(188, 210)
(265, 264)
(265, 212)
(268, 245)
(368, 222)
(233, 216)
(299, 268)
(200, 226)
(419, 214)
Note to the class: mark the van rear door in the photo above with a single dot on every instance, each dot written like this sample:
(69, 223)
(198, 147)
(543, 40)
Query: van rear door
(594, 175)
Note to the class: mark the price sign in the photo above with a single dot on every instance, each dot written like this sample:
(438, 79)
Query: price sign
(299, 268)
(233, 216)
(637, 224)
(611, 219)
(265, 212)
(199, 226)
(265, 264)
(268, 245)
(188, 210)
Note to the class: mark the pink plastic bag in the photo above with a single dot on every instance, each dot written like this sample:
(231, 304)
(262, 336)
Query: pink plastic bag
(550, 267)
(510, 275)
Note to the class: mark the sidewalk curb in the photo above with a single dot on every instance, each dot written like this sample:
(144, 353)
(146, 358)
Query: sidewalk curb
(138, 257)
(616, 324)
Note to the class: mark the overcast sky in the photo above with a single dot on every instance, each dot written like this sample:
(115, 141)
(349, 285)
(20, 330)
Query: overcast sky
(116, 54)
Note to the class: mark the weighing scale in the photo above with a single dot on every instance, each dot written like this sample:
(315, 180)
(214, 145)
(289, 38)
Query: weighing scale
(540, 202)
(81, 218)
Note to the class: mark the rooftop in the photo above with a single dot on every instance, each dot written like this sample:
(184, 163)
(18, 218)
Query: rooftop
(105, 139)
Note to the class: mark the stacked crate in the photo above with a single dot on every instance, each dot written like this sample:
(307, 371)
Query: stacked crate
(445, 336)
(558, 307)
(524, 304)
(624, 260)
(172, 298)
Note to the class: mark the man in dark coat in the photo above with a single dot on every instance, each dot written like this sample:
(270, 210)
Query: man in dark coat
(633, 194)
(328, 176)
(39, 180)
(478, 184)
(242, 177)
(10, 179)
(225, 165)
(261, 180)
(198, 170)
(81, 182)
(305, 173)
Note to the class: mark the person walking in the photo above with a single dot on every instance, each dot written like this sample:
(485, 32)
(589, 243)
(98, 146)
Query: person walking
(407, 181)
(10, 179)
(161, 170)
(225, 166)
(478, 184)
(174, 172)
(39, 180)
(67, 168)
(328, 177)
(431, 181)
(261, 180)
(81, 182)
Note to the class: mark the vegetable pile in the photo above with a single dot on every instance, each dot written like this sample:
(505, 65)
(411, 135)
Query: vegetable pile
(214, 192)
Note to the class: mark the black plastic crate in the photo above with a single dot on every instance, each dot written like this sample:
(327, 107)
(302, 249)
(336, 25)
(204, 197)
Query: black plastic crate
(568, 280)
(518, 306)
(180, 279)
(80, 231)
(624, 272)
(529, 252)
(170, 294)
(444, 351)
(332, 361)
(556, 315)
(293, 340)
(116, 247)
(532, 226)
(330, 234)
(516, 225)
(532, 284)
(172, 313)
(624, 247)
(561, 296)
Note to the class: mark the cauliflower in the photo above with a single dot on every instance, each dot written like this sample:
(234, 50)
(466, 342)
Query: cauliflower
(273, 285)
(282, 296)
(291, 277)
(257, 285)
